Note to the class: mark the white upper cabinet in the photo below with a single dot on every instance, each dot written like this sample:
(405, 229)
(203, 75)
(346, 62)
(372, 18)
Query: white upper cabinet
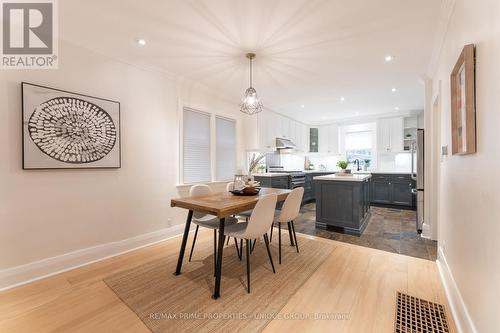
(266, 130)
(272, 125)
(328, 141)
(390, 135)
(323, 139)
(333, 139)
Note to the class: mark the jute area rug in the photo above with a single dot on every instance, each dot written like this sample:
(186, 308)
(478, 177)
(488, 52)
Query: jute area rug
(168, 303)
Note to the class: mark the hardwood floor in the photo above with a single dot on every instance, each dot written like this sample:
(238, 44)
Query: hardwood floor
(355, 283)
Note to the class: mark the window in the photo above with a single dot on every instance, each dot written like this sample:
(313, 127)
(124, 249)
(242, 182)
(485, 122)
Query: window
(359, 145)
(225, 148)
(196, 146)
(208, 147)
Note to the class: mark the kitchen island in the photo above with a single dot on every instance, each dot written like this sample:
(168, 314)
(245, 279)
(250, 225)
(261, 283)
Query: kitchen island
(343, 201)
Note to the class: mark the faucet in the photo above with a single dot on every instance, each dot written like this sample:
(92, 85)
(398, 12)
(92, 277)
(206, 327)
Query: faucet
(356, 161)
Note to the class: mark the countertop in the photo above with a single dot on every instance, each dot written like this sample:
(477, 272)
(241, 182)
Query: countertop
(369, 172)
(362, 172)
(271, 174)
(351, 178)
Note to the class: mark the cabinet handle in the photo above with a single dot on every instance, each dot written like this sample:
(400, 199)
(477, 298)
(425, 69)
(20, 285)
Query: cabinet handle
(389, 183)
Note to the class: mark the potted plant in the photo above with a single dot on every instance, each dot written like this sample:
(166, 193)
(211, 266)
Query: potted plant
(342, 165)
(367, 164)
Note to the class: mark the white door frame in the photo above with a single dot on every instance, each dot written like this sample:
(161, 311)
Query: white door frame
(432, 162)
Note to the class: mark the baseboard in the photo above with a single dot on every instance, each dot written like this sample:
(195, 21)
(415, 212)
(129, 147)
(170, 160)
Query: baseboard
(426, 231)
(19, 275)
(461, 316)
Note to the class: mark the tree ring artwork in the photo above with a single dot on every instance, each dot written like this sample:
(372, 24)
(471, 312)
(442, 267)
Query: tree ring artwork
(68, 130)
(72, 130)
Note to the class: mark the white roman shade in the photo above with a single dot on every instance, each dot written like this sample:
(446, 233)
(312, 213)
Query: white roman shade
(225, 148)
(196, 146)
(358, 140)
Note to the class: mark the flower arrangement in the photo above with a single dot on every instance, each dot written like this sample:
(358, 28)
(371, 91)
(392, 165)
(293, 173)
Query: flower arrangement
(254, 161)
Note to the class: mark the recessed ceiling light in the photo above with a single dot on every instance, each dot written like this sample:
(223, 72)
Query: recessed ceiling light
(394, 90)
(302, 106)
(357, 113)
(389, 58)
(141, 42)
(396, 108)
(342, 99)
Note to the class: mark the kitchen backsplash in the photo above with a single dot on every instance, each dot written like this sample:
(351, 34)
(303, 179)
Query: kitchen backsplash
(389, 162)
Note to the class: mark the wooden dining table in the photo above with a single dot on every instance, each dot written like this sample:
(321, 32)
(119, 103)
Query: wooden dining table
(221, 205)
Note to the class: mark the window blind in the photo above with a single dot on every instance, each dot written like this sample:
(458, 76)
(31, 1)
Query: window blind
(196, 146)
(358, 140)
(225, 148)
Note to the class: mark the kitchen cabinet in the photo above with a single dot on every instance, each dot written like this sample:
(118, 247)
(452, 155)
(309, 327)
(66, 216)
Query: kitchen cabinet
(390, 135)
(342, 204)
(323, 139)
(392, 189)
(313, 139)
(381, 190)
(309, 191)
(271, 125)
(401, 191)
(328, 139)
(266, 130)
(333, 139)
(301, 137)
(274, 181)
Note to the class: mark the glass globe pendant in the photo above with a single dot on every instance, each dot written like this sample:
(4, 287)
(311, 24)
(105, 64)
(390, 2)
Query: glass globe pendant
(250, 103)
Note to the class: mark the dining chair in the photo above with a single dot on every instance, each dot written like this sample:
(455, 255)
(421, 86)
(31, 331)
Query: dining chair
(206, 220)
(289, 212)
(246, 214)
(256, 227)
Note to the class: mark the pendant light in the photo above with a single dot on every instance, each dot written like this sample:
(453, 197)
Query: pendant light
(250, 103)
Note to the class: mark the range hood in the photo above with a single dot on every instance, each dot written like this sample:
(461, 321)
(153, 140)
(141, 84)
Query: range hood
(282, 143)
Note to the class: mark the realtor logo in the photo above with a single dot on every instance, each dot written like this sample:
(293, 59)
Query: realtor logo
(29, 34)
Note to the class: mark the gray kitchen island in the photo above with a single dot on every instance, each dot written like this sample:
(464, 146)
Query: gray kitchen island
(343, 202)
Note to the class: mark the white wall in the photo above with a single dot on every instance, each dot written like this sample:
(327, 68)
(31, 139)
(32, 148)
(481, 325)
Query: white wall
(49, 213)
(469, 221)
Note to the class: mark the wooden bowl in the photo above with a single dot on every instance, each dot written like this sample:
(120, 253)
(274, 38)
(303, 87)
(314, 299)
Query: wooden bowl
(250, 189)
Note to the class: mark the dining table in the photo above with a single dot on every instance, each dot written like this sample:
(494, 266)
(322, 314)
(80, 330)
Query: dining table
(221, 205)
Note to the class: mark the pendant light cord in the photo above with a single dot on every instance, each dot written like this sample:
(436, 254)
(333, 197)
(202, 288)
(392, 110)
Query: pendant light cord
(251, 72)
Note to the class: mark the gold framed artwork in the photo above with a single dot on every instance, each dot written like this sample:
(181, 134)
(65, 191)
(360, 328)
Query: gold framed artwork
(463, 103)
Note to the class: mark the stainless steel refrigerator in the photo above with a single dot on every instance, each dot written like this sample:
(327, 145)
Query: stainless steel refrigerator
(417, 174)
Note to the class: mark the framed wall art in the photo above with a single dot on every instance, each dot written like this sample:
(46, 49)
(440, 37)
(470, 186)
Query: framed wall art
(463, 103)
(65, 130)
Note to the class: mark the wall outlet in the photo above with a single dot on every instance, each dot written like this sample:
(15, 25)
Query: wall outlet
(169, 222)
(444, 150)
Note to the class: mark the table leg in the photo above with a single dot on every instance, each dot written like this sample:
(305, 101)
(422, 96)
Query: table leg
(184, 241)
(218, 273)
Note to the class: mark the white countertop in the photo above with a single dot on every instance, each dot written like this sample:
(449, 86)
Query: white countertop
(362, 172)
(394, 172)
(351, 178)
(270, 174)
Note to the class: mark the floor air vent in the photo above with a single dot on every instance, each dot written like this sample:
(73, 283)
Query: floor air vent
(415, 315)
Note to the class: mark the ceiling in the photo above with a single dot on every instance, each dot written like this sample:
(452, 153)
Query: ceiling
(310, 53)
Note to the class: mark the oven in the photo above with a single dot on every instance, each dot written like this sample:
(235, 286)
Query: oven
(295, 178)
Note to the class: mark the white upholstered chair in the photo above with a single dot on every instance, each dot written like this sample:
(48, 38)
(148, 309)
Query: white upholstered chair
(246, 214)
(206, 220)
(257, 226)
(289, 212)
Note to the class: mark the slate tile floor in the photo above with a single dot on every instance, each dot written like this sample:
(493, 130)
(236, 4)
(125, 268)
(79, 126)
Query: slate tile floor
(391, 230)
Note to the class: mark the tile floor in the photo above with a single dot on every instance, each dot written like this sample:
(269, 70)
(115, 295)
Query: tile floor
(391, 230)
